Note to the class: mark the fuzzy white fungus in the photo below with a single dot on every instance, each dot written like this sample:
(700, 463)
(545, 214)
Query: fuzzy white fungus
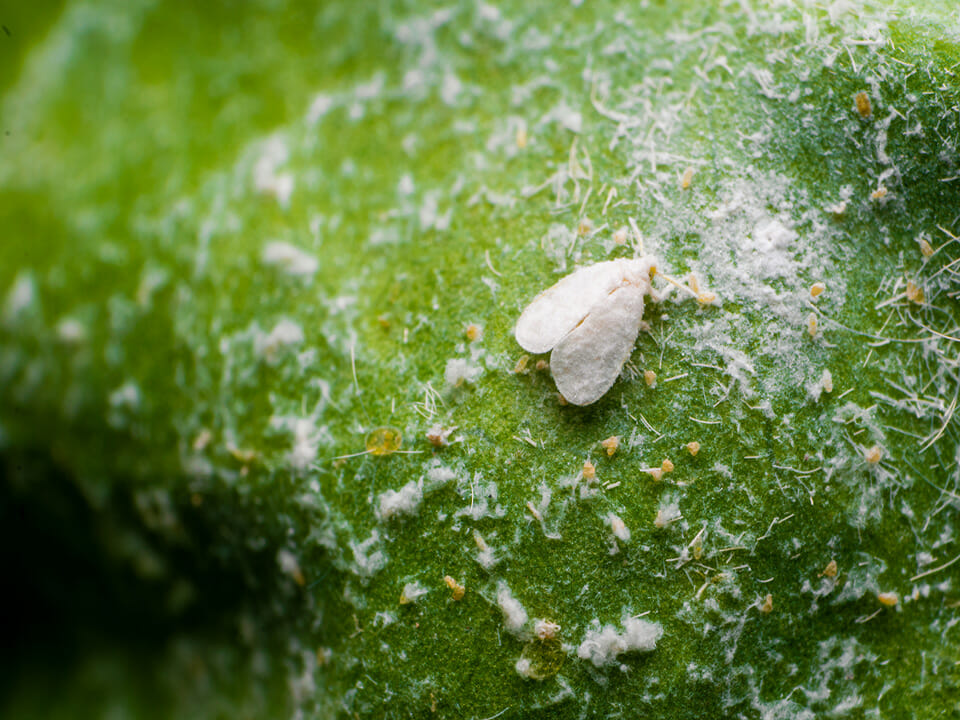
(602, 647)
(289, 258)
(514, 616)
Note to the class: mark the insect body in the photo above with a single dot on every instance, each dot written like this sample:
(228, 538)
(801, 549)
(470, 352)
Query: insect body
(590, 321)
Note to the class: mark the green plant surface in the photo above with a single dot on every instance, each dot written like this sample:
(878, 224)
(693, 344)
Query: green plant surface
(239, 239)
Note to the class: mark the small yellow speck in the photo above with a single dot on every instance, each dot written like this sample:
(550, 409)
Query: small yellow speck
(697, 548)
(925, 248)
(879, 193)
(889, 599)
(542, 365)
(584, 227)
(656, 474)
(202, 440)
(620, 236)
(243, 455)
(650, 378)
(474, 332)
(812, 325)
(666, 466)
(914, 293)
(457, 588)
(706, 298)
(830, 570)
(817, 288)
(521, 137)
(687, 178)
(383, 441)
(873, 455)
(610, 444)
(863, 104)
(694, 447)
(589, 471)
(481, 543)
(767, 606)
(521, 366)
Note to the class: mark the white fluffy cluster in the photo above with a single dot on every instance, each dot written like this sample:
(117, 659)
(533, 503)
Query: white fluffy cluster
(514, 616)
(289, 258)
(604, 646)
(405, 501)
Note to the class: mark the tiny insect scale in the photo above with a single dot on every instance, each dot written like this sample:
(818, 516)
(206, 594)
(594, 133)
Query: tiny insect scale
(589, 322)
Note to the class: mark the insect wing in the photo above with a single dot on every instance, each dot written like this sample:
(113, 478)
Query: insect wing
(558, 309)
(588, 360)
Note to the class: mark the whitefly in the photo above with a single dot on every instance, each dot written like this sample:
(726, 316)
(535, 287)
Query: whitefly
(589, 322)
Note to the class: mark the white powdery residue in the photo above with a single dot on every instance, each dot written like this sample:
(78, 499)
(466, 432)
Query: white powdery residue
(881, 142)
(603, 647)
(152, 279)
(524, 668)
(773, 245)
(565, 116)
(289, 258)
(861, 578)
(71, 331)
(559, 242)
(321, 105)
(306, 443)
(307, 439)
(286, 334)
(406, 185)
(514, 615)
(414, 83)
(752, 240)
(412, 592)
(483, 499)
(487, 559)
(266, 178)
(764, 78)
(21, 296)
(667, 513)
(384, 618)
(372, 88)
(430, 215)
(439, 475)
(486, 556)
(125, 397)
(368, 560)
(405, 501)
(289, 565)
(460, 371)
(301, 683)
(450, 88)
(823, 384)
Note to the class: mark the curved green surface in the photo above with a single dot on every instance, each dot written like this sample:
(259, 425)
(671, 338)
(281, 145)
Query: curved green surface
(187, 534)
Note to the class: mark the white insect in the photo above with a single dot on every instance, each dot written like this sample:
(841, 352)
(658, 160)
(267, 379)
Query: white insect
(590, 320)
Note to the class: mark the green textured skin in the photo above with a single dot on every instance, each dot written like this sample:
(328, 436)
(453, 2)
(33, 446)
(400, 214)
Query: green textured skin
(148, 562)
